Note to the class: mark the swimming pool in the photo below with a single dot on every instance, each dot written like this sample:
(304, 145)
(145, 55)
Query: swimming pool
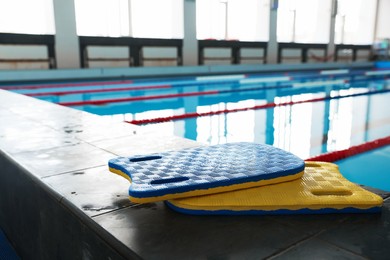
(307, 112)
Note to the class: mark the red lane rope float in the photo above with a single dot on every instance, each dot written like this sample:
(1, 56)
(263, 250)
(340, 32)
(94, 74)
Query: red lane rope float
(59, 85)
(265, 106)
(354, 150)
(60, 93)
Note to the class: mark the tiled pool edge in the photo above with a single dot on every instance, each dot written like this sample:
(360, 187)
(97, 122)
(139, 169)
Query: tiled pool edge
(41, 222)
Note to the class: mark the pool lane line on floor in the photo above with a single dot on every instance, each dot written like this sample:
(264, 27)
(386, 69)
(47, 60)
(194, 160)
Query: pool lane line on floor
(257, 107)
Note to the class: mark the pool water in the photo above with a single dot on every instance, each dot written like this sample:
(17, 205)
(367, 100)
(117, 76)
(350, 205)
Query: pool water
(306, 129)
(306, 113)
(369, 168)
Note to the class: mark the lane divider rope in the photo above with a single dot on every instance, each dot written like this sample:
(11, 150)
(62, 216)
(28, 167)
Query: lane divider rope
(353, 150)
(257, 107)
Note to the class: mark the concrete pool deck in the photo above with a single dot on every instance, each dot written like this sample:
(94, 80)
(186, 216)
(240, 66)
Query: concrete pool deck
(59, 201)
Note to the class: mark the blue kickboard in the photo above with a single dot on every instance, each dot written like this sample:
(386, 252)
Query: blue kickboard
(203, 169)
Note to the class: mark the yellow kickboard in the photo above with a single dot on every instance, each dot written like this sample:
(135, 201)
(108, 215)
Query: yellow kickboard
(322, 189)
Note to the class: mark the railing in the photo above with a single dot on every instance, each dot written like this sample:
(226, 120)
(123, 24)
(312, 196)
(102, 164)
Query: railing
(304, 48)
(235, 46)
(135, 46)
(30, 39)
(353, 48)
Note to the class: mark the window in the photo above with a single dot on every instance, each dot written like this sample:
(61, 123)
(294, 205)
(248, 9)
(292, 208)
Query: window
(157, 19)
(136, 18)
(102, 17)
(224, 19)
(304, 21)
(26, 16)
(355, 21)
(383, 31)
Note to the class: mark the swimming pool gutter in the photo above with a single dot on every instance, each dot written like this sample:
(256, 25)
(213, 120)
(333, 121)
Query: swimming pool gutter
(63, 75)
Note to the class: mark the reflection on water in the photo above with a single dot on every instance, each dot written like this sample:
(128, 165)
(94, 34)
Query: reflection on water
(305, 129)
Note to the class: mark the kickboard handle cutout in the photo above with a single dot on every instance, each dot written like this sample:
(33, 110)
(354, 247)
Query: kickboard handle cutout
(169, 180)
(331, 193)
(146, 158)
(310, 164)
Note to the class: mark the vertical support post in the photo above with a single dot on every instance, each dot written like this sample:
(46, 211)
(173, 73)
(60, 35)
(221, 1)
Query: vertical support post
(130, 18)
(52, 56)
(374, 36)
(279, 55)
(272, 52)
(190, 43)
(135, 53)
(131, 57)
(200, 55)
(236, 55)
(354, 54)
(179, 53)
(331, 46)
(83, 56)
(66, 39)
(304, 55)
(326, 54)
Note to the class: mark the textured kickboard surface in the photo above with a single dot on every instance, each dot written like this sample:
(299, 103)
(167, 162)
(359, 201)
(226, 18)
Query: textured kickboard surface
(322, 189)
(205, 170)
(6, 250)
